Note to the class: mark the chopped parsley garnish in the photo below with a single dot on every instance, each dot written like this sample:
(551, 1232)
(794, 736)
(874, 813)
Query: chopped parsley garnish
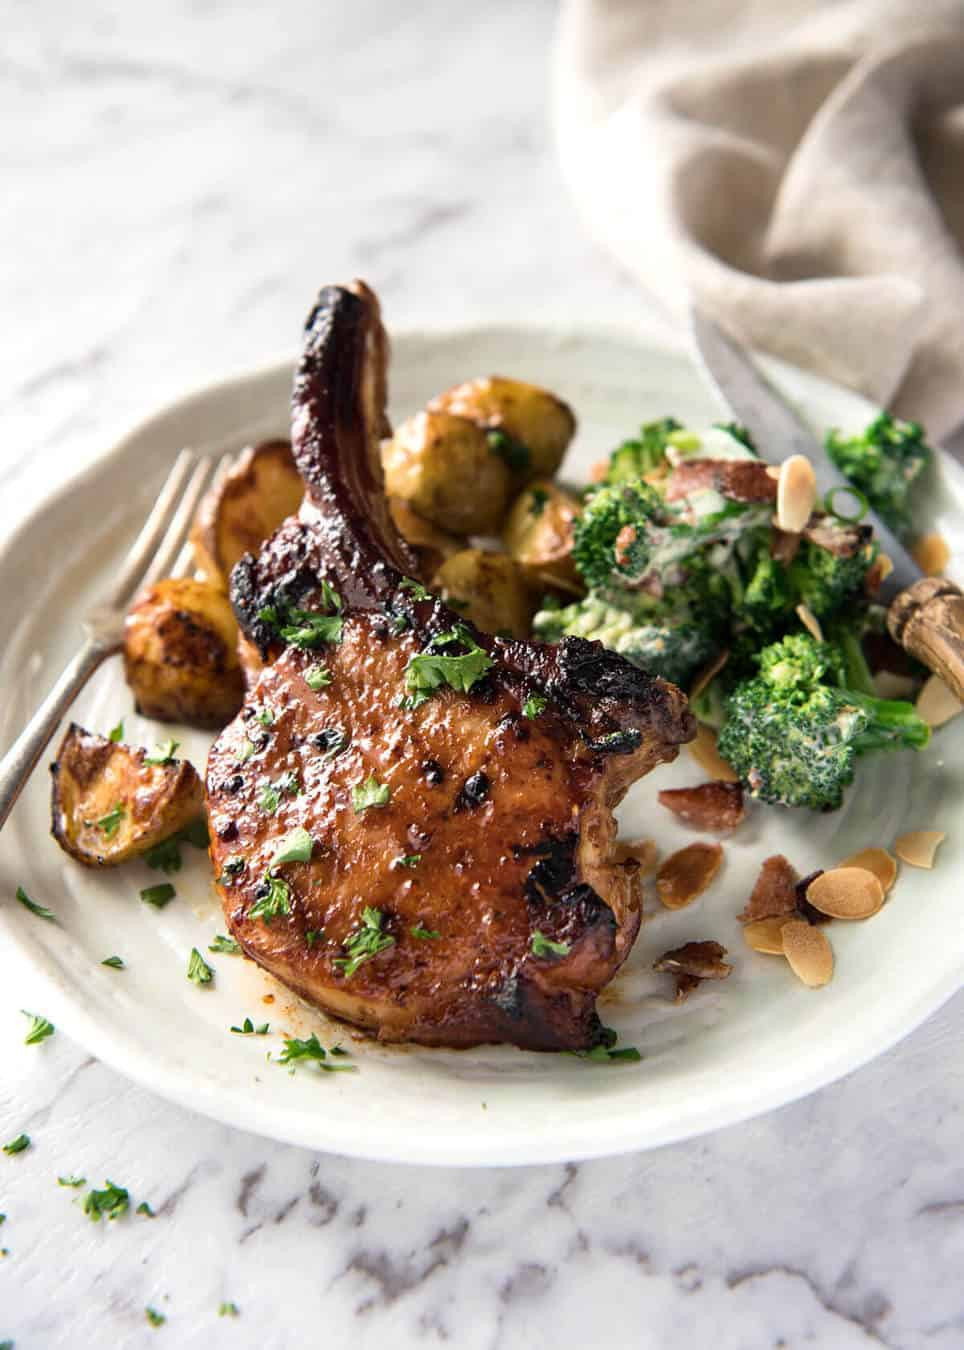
(233, 867)
(432, 667)
(40, 1028)
(196, 834)
(275, 901)
(229, 1310)
(41, 911)
(72, 1182)
(367, 942)
(247, 1028)
(370, 793)
(115, 962)
(198, 969)
(332, 741)
(511, 451)
(116, 734)
(164, 857)
(155, 1318)
(17, 1145)
(414, 588)
(604, 1052)
(543, 946)
(538, 497)
(265, 716)
(246, 751)
(618, 742)
(534, 705)
(408, 860)
(296, 846)
(318, 677)
(313, 1050)
(144, 1208)
(163, 753)
(426, 934)
(313, 935)
(112, 1201)
(271, 794)
(158, 896)
(305, 628)
(226, 945)
(110, 823)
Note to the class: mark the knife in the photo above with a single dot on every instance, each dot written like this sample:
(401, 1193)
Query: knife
(926, 614)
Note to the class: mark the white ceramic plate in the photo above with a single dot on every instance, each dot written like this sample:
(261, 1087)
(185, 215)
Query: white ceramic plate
(733, 1050)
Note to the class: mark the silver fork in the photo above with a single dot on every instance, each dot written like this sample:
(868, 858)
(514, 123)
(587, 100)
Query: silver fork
(160, 550)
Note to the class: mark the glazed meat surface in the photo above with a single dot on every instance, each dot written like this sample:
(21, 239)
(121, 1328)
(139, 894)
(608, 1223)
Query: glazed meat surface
(460, 838)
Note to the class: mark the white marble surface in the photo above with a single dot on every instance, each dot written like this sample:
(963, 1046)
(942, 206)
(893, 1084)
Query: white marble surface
(177, 179)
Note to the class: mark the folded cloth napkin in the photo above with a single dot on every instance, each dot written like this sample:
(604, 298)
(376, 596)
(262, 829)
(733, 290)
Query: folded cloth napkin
(796, 166)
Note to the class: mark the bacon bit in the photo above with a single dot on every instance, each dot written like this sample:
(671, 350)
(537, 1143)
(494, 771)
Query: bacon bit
(932, 554)
(773, 895)
(624, 541)
(693, 962)
(843, 541)
(709, 673)
(796, 494)
(847, 893)
(686, 874)
(810, 622)
(936, 704)
(808, 952)
(739, 480)
(710, 806)
(703, 749)
(876, 860)
(918, 847)
(766, 935)
(641, 855)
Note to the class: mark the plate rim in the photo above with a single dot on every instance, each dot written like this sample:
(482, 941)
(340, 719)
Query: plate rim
(269, 1118)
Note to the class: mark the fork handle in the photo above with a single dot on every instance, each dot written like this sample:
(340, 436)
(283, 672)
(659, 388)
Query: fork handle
(21, 759)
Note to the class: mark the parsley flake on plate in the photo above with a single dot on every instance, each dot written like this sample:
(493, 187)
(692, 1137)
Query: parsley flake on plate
(116, 734)
(198, 969)
(163, 753)
(606, 1053)
(115, 962)
(543, 946)
(145, 1209)
(271, 794)
(158, 896)
(533, 706)
(312, 1049)
(296, 846)
(226, 945)
(247, 1028)
(229, 1310)
(370, 793)
(414, 588)
(72, 1182)
(109, 824)
(156, 1319)
(112, 1202)
(318, 677)
(364, 943)
(164, 857)
(40, 910)
(40, 1028)
(435, 665)
(18, 1145)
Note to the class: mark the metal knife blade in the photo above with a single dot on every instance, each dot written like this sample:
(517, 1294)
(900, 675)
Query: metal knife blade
(780, 431)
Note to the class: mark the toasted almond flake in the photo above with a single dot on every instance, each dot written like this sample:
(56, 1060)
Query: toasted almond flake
(686, 874)
(936, 704)
(773, 471)
(796, 493)
(889, 684)
(810, 622)
(918, 847)
(846, 893)
(709, 672)
(876, 860)
(808, 952)
(766, 935)
(932, 554)
(709, 806)
(642, 852)
(704, 751)
(883, 566)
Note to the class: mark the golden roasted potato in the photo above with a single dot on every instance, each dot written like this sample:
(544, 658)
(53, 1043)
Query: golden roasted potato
(239, 514)
(444, 468)
(180, 653)
(250, 661)
(538, 535)
(430, 544)
(487, 588)
(108, 804)
(533, 418)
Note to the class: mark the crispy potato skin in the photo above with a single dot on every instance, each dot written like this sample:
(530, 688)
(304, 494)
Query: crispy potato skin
(180, 653)
(430, 544)
(92, 776)
(444, 468)
(487, 588)
(237, 515)
(534, 417)
(538, 535)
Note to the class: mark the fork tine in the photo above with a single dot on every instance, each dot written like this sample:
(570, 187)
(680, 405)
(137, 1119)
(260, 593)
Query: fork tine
(184, 565)
(152, 531)
(181, 522)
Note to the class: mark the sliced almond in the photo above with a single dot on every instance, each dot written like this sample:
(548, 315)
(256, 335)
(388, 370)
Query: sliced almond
(882, 567)
(808, 952)
(932, 554)
(709, 672)
(889, 684)
(686, 874)
(936, 704)
(704, 751)
(810, 622)
(710, 806)
(846, 893)
(796, 493)
(766, 935)
(876, 860)
(773, 471)
(918, 847)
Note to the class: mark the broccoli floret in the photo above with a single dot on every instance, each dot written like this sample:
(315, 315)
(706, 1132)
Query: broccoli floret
(825, 579)
(664, 638)
(766, 596)
(613, 534)
(793, 732)
(635, 458)
(883, 463)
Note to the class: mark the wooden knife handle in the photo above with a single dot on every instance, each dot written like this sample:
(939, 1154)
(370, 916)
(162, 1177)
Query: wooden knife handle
(928, 621)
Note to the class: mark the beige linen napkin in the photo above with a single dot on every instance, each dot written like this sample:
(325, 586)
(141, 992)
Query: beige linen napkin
(796, 165)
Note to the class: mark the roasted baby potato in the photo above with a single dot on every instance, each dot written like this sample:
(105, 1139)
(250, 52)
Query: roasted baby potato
(538, 425)
(180, 653)
(431, 545)
(487, 588)
(444, 468)
(239, 514)
(538, 535)
(108, 804)
(250, 661)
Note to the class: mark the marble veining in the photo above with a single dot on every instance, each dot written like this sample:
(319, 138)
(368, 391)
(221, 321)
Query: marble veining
(177, 179)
